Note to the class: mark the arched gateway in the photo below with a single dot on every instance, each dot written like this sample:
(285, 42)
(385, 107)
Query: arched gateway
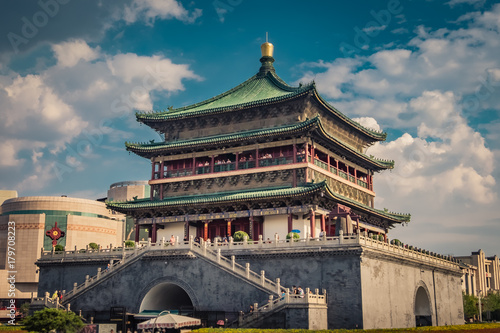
(423, 312)
(166, 296)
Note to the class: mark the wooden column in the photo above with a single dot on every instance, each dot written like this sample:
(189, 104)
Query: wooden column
(257, 157)
(294, 153)
(137, 230)
(290, 222)
(205, 230)
(237, 161)
(161, 191)
(212, 165)
(229, 227)
(323, 224)
(153, 164)
(153, 232)
(186, 230)
(194, 165)
(250, 227)
(307, 152)
(313, 224)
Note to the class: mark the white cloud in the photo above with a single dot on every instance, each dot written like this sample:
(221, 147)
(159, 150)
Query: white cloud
(69, 53)
(150, 10)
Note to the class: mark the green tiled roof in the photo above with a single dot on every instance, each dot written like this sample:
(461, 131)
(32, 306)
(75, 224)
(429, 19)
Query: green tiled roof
(150, 149)
(252, 195)
(254, 91)
(258, 90)
(214, 198)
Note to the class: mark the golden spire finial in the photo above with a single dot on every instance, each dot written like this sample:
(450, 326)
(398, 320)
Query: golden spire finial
(267, 48)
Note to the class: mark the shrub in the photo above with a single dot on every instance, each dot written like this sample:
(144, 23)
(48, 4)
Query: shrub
(129, 243)
(47, 320)
(94, 246)
(239, 235)
(396, 242)
(59, 247)
(293, 234)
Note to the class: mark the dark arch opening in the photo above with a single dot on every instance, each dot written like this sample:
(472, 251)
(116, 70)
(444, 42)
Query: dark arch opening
(167, 296)
(423, 313)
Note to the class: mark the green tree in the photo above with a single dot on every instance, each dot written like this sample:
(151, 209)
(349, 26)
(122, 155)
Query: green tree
(59, 247)
(470, 306)
(47, 320)
(491, 302)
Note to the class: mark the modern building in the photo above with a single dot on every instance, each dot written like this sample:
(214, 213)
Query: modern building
(265, 158)
(128, 191)
(481, 273)
(40, 223)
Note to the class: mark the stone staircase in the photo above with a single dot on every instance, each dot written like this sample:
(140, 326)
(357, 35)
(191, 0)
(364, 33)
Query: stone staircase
(192, 248)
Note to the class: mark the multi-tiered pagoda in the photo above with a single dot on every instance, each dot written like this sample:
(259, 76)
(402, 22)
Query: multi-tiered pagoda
(264, 157)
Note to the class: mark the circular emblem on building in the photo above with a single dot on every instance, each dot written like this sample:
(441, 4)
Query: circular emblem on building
(55, 233)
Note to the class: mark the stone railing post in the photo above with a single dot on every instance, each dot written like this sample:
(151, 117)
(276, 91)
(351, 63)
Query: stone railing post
(98, 273)
(74, 287)
(191, 242)
(218, 256)
(278, 286)
(271, 299)
(76, 251)
(316, 291)
(69, 307)
(245, 241)
(287, 295)
(232, 263)
(276, 239)
(262, 277)
(255, 307)
(260, 241)
(205, 249)
(341, 236)
(308, 238)
(47, 296)
(231, 242)
(86, 281)
(247, 270)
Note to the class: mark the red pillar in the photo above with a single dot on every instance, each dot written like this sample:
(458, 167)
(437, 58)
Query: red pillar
(205, 231)
(323, 226)
(153, 232)
(212, 164)
(137, 230)
(194, 165)
(229, 228)
(250, 229)
(290, 222)
(294, 153)
(186, 230)
(313, 224)
(237, 161)
(307, 152)
(152, 169)
(161, 191)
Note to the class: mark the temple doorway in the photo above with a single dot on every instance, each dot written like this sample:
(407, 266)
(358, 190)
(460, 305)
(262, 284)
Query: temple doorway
(423, 313)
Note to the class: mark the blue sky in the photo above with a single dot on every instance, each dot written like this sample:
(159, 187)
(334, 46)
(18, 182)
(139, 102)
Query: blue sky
(72, 74)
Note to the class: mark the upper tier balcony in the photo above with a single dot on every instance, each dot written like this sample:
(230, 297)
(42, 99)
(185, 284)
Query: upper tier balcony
(263, 158)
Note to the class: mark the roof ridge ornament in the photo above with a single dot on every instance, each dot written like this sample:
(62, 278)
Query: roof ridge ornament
(267, 50)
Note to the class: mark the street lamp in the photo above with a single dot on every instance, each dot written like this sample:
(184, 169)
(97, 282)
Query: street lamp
(480, 310)
(159, 314)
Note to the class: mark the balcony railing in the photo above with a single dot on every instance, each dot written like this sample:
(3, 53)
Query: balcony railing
(178, 173)
(263, 162)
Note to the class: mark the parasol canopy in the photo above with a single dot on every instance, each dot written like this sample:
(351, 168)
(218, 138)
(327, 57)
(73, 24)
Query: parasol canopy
(169, 321)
